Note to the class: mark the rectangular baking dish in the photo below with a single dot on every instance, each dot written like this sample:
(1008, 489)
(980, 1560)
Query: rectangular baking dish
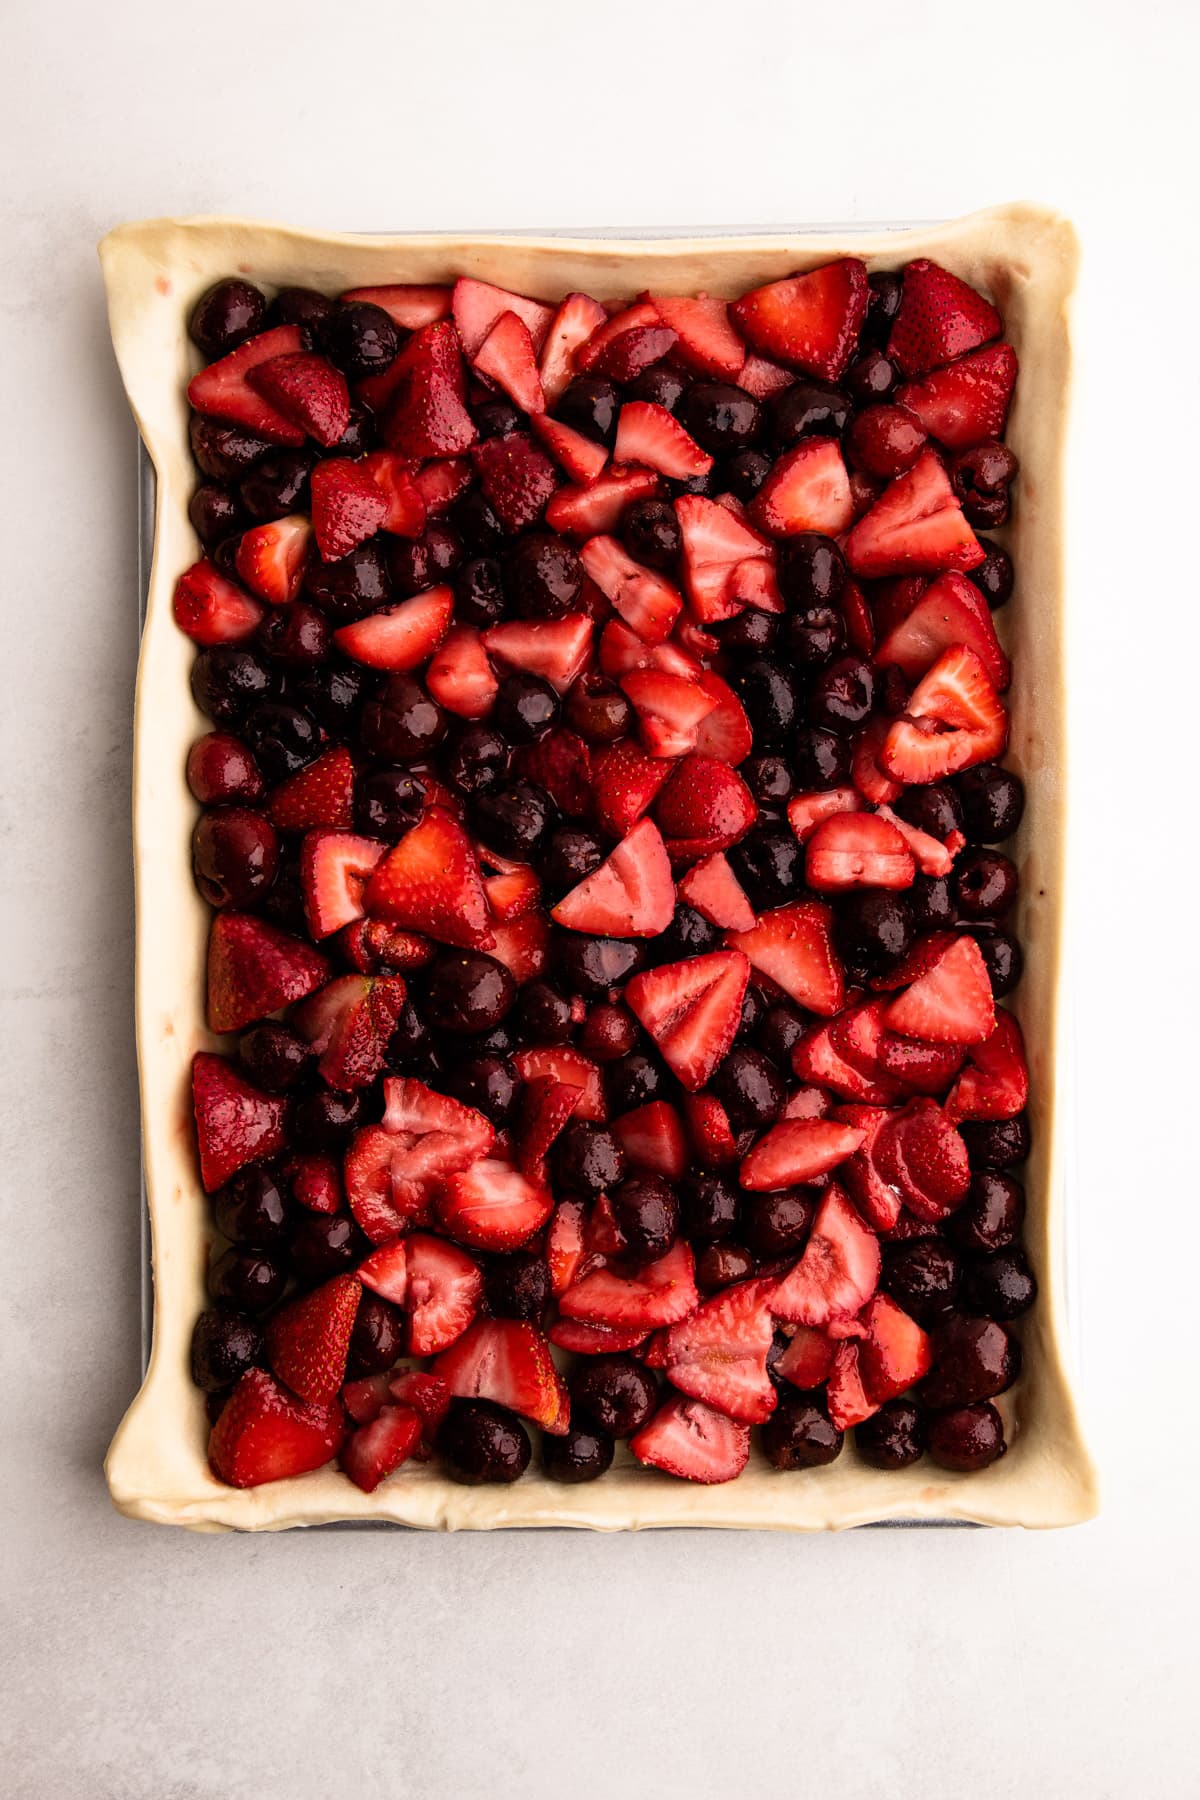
(1025, 258)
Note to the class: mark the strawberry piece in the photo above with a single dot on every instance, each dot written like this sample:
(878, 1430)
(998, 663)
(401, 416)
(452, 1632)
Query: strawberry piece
(625, 782)
(366, 1398)
(399, 637)
(349, 1023)
(211, 610)
(845, 1396)
(642, 315)
(441, 483)
(808, 1359)
(406, 304)
(506, 356)
(853, 850)
(431, 883)
(576, 320)
(512, 894)
(555, 649)
(271, 558)
(321, 794)
(308, 391)
(582, 457)
(308, 1342)
(604, 1236)
(865, 770)
(806, 1103)
(922, 1068)
(761, 378)
(925, 954)
(895, 1352)
(954, 720)
(254, 969)
(315, 1182)
(793, 945)
(915, 527)
(878, 1203)
(582, 1339)
(629, 353)
(856, 614)
(653, 1351)
(428, 415)
(816, 1058)
(426, 1393)
(659, 1293)
(460, 677)
(919, 1152)
(712, 888)
(347, 506)
(561, 763)
(704, 807)
(807, 490)
(719, 1354)
(810, 321)
(967, 403)
(445, 1291)
(892, 601)
(378, 1449)
(235, 1123)
(392, 1169)
(996, 1084)
(477, 306)
(406, 508)
(939, 318)
(856, 1035)
(335, 867)
(718, 549)
(547, 1104)
(648, 434)
(653, 1138)
(797, 1150)
(706, 341)
(644, 599)
(670, 709)
(806, 811)
(631, 894)
(385, 1271)
(264, 1434)
(693, 1441)
(725, 732)
(621, 650)
(563, 1063)
(692, 1010)
(838, 1272)
(931, 856)
(951, 611)
(374, 947)
(951, 1003)
(711, 1133)
(582, 512)
(522, 946)
(565, 1245)
(493, 1206)
(223, 390)
(509, 1362)
(517, 478)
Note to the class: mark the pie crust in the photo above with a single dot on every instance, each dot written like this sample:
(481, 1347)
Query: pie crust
(1025, 258)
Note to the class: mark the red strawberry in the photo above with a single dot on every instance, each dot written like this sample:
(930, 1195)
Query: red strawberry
(582, 1339)
(583, 511)
(856, 1035)
(347, 506)
(653, 1138)
(648, 434)
(406, 304)
(811, 321)
(806, 811)
(441, 483)
(793, 945)
(477, 305)
(716, 548)
(565, 1246)
(517, 478)
(460, 677)
(691, 1440)
(385, 1271)
(996, 1084)
(865, 769)
(271, 558)
(308, 391)
(951, 1003)
(319, 794)
(704, 807)
(512, 894)
(522, 946)
(308, 1341)
(506, 357)
(445, 1291)
(915, 527)
(621, 650)
(555, 649)
(951, 611)
(816, 1058)
(967, 403)
(797, 1150)
(573, 324)
(561, 764)
(428, 416)
(410, 1107)
(349, 1023)
(366, 1398)
(659, 1293)
(922, 1068)
(925, 954)
(712, 888)
(807, 490)
(670, 709)
(223, 391)
(431, 883)
(954, 719)
(642, 315)
(692, 1010)
(920, 1154)
(719, 1355)
(406, 508)
(628, 353)
(315, 1182)
(806, 1103)
(856, 614)
(940, 317)
(427, 1394)
(838, 1272)
(492, 1206)
(707, 341)
(254, 969)
(808, 1359)
(212, 610)
(878, 1203)
(374, 947)
(264, 1434)
(895, 1352)
(892, 601)
(646, 600)
(235, 1123)
(855, 849)
(624, 784)
(546, 1106)
(582, 457)
(391, 1169)
(377, 1450)
(761, 378)
(931, 856)
(845, 1396)
(335, 867)
(508, 1361)
(563, 1063)
(724, 733)
(399, 637)
(631, 894)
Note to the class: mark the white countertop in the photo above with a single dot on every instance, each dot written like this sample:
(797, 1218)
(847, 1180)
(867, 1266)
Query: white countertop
(140, 1664)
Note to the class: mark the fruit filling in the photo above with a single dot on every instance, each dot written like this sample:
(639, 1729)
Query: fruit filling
(601, 820)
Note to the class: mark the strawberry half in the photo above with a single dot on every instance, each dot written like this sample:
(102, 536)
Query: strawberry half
(582, 1339)
(761, 378)
(576, 320)
(669, 708)
(950, 1002)
(718, 552)
(808, 1359)
(693, 1441)
(967, 403)
(399, 637)
(431, 883)
(645, 600)
(445, 1291)
(517, 478)
(509, 1362)
(996, 1083)
(385, 1272)
(922, 1068)
(624, 783)
(391, 1170)
(793, 945)
(807, 490)
(631, 894)
(271, 558)
(565, 1244)
(316, 1182)
(377, 1449)
(954, 720)
(308, 391)
(712, 888)
(725, 732)
(810, 321)
(878, 1203)
(522, 946)
(581, 457)
(223, 390)
(254, 969)
(212, 610)
(838, 1272)
(855, 850)
(581, 512)
(797, 1150)
(347, 506)
(648, 434)
(441, 483)
(865, 771)
(348, 1022)
(915, 527)
(806, 811)
(308, 1342)
(506, 356)
(705, 339)
(845, 1395)
(335, 867)
(555, 649)
(265, 1434)
(546, 1106)
(719, 1354)
(460, 677)
(712, 1136)
(920, 1154)
(406, 507)
(816, 1058)
(561, 764)
(660, 1293)
(940, 317)
(321, 794)
(477, 305)
(628, 353)
(951, 611)
(692, 1010)
(235, 1123)
(894, 1354)
(428, 415)
(704, 807)
(492, 1206)
(653, 1138)
(562, 1062)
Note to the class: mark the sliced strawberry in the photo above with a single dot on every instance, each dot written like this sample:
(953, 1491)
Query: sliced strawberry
(426, 1393)
(631, 894)
(546, 1106)
(445, 1291)
(915, 527)
(954, 720)
(582, 1339)
(399, 637)
(646, 600)
(223, 391)
(319, 794)
(308, 391)
(513, 893)
(761, 378)
(406, 508)
(706, 341)
(335, 867)
(648, 434)
(806, 1103)
(576, 320)
(315, 1182)
(816, 1058)
(940, 317)
(477, 305)
(704, 807)
(725, 732)
(366, 1398)
(390, 1173)
(930, 855)
(509, 1362)
(878, 1203)
(347, 506)
(621, 650)
(374, 947)
(854, 850)
(522, 946)
(670, 709)
(794, 946)
(895, 1352)
(856, 1035)
(265, 1434)
(581, 457)
(563, 1063)
(806, 811)
(693, 1441)
(868, 777)
(711, 1134)
(235, 1123)
(254, 969)
(492, 1206)
(659, 1293)
(967, 403)
(925, 954)
(810, 321)
(716, 547)
(845, 1395)
(808, 1359)
(517, 478)
(271, 558)
(951, 1003)
(838, 1272)
(920, 1154)
(692, 1010)
(428, 416)
(807, 490)
(385, 1271)
(892, 601)
(431, 883)
(797, 1150)
(560, 763)
(349, 1023)
(922, 1068)
(642, 315)
(719, 1354)
(625, 782)
(377, 1450)
(694, 641)
(406, 304)
(308, 1341)
(582, 512)
(565, 1245)
(555, 649)
(653, 1138)
(951, 611)
(441, 483)
(712, 888)
(460, 677)
(628, 353)
(211, 610)
(856, 614)
(506, 356)
(996, 1084)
